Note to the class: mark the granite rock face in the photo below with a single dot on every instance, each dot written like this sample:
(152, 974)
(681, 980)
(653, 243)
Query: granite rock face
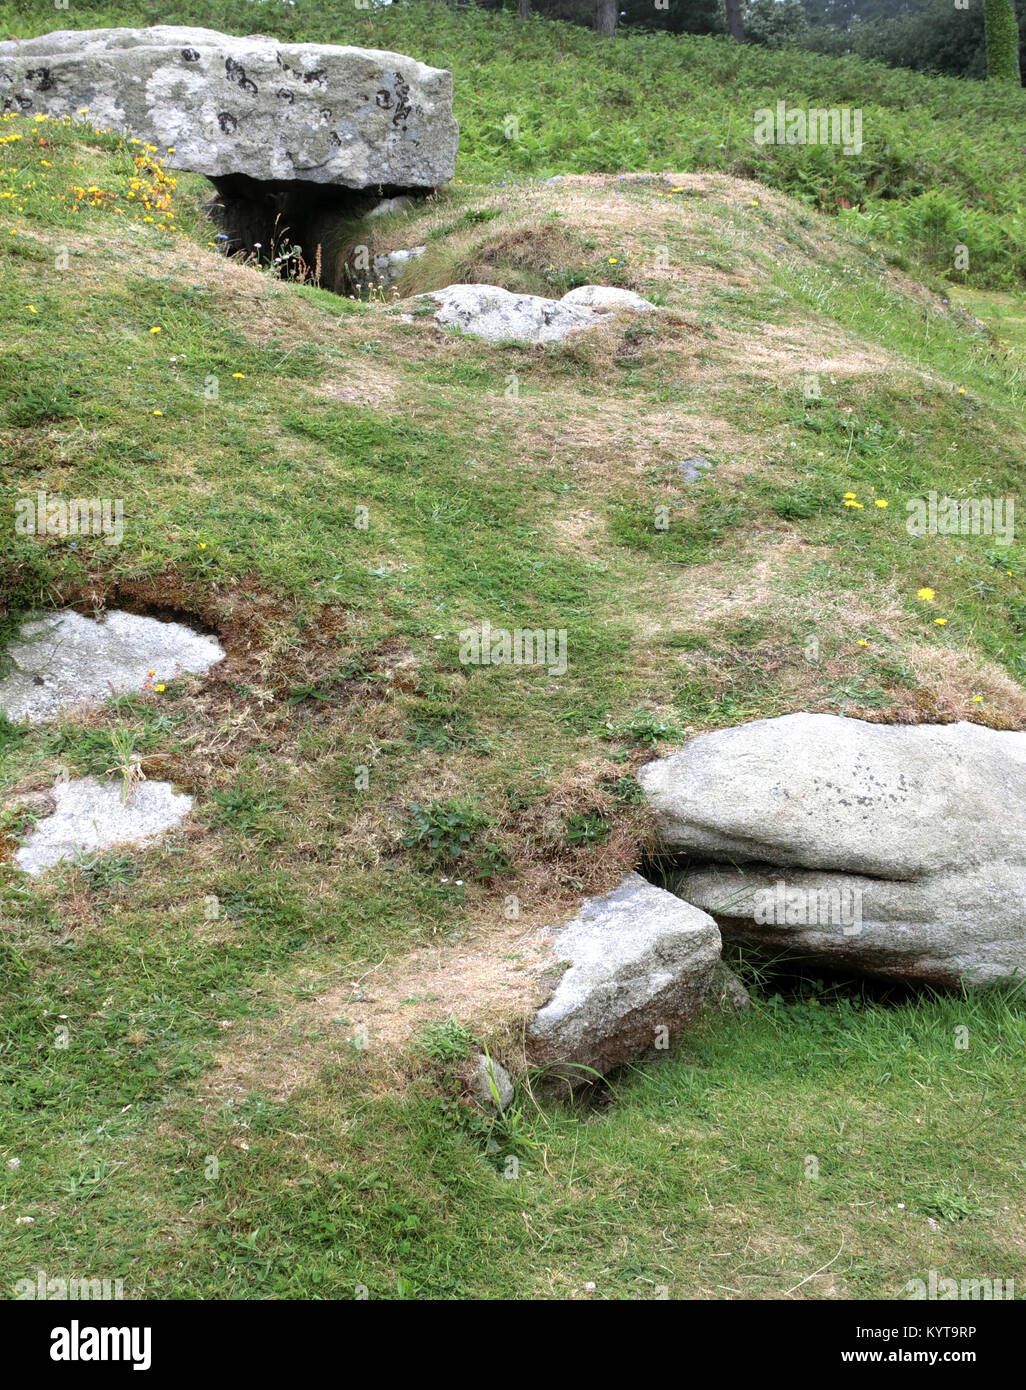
(92, 816)
(498, 315)
(251, 107)
(62, 662)
(638, 965)
(894, 850)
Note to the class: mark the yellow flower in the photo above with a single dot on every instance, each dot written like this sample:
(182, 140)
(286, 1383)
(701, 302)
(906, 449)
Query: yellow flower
(159, 687)
(961, 390)
(863, 642)
(613, 260)
(927, 595)
(977, 699)
(155, 330)
(33, 309)
(239, 376)
(880, 502)
(158, 412)
(849, 496)
(940, 621)
(202, 545)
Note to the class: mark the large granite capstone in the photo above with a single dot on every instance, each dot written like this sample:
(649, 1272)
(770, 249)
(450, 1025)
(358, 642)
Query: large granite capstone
(321, 113)
(278, 127)
(893, 850)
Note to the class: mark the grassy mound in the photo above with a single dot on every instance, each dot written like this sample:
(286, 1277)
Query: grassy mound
(338, 488)
(941, 163)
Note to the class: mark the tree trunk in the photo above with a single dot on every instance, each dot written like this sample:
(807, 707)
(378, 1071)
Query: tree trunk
(1002, 34)
(606, 16)
(524, 9)
(735, 23)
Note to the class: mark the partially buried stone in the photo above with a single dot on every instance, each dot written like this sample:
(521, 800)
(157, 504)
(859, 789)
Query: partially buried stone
(693, 468)
(62, 662)
(92, 815)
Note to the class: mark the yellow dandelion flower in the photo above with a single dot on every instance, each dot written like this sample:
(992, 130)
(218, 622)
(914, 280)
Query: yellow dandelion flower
(32, 309)
(863, 642)
(202, 545)
(977, 699)
(238, 376)
(158, 412)
(849, 496)
(613, 260)
(156, 329)
(927, 595)
(880, 502)
(940, 621)
(161, 686)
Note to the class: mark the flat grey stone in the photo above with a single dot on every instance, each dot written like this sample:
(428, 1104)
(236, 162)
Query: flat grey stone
(824, 792)
(693, 468)
(966, 927)
(605, 298)
(922, 827)
(498, 315)
(91, 815)
(229, 106)
(640, 962)
(64, 662)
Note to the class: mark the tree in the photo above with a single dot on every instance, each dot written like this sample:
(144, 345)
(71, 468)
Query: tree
(524, 9)
(605, 16)
(776, 23)
(1002, 31)
(735, 23)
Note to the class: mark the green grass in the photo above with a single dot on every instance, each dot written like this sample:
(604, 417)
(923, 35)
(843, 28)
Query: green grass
(860, 1142)
(360, 794)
